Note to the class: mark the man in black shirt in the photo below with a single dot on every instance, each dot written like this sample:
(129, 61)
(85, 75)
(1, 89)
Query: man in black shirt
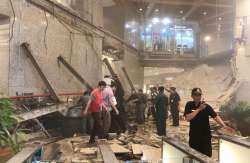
(174, 105)
(161, 105)
(197, 112)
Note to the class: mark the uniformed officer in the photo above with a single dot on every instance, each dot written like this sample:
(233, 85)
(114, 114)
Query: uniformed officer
(174, 105)
(161, 105)
(197, 112)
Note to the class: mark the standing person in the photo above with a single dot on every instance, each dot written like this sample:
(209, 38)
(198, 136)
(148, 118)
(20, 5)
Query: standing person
(174, 100)
(109, 104)
(154, 93)
(197, 112)
(119, 95)
(141, 103)
(161, 104)
(95, 106)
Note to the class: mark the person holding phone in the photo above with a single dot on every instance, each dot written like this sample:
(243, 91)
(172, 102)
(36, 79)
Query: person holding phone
(197, 112)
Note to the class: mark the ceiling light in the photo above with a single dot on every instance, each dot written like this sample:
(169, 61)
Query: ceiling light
(150, 26)
(207, 38)
(133, 30)
(204, 13)
(181, 12)
(166, 21)
(164, 30)
(127, 26)
(155, 20)
(220, 18)
(140, 9)
(157, 10)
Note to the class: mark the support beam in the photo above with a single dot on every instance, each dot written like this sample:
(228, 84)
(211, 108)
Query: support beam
(107, 153)
(184, 3)
(112, 72)
(27, 50)
(129, 80)
(74, 72)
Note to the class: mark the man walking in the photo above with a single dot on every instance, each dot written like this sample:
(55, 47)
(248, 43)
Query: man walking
(197, 112)
(95, 106)
(109, 104)
(174, 101)
(161, 104)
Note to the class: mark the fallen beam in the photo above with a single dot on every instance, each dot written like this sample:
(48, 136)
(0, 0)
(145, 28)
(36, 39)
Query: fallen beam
(128, 78)
(27, 50)
(42, 111)
(106, 152)
(74, 72)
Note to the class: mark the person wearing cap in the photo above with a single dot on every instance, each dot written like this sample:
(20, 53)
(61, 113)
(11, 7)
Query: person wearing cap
(197, 112)
(174, 101)
(95, 106)
(161, 105)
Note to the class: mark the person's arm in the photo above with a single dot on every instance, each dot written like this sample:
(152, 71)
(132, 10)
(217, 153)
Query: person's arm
(87, 107)
(192, 115)
(218, 119)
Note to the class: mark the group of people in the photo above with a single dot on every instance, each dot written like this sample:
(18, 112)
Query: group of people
(197, 112)
(106, 106)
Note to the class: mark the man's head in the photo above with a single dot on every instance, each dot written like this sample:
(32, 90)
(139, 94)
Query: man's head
(172, 89)
(161, 89)
(102, 85)
(196, 94)
(113, 86)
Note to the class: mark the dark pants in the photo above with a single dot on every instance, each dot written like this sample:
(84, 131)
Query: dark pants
(97, 128)
(140, 113)
(115, 126)
(161, 126)
(175, 116)
(202, 145)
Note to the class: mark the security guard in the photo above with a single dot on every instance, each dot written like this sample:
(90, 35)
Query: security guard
(197, 112)
(161, 105)
(174, 99)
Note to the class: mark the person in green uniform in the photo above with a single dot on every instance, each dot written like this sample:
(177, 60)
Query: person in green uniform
(174, 100)
(161, 105)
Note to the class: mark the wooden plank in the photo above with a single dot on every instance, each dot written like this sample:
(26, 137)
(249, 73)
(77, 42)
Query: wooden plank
(27, 50)
(106, 152)
(119, 149)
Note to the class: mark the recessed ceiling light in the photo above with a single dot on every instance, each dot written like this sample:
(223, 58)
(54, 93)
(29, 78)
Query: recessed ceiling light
(140, 9)
(220, 18)
(157, 10)
(181, 12)
(204, 13)
(155, 20)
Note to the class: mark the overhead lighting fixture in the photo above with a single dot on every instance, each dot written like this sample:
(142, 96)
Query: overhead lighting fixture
(166, 21)
(133, 30)
(150, 26)
(155, 20)
(207, 38)
(127, 26)
(181, 12)
(157, 10)
(204, 13)
(140, 9)
(220, 18)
